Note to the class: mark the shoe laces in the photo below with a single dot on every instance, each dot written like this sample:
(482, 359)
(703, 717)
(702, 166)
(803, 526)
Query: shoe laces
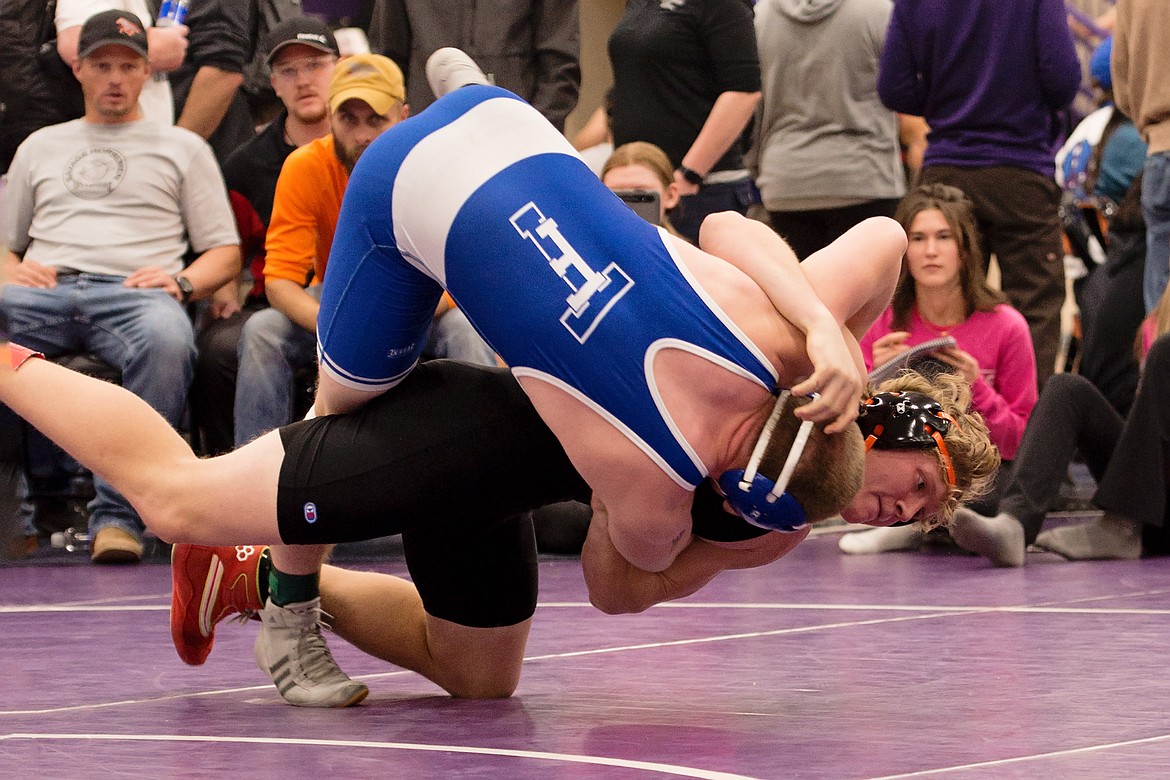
(315, 657)
(243, 616)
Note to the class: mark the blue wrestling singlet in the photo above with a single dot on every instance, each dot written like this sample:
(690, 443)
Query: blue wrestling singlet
(478, 194)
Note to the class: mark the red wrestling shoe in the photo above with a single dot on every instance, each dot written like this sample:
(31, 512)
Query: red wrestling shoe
(17, 355)
(209, 584)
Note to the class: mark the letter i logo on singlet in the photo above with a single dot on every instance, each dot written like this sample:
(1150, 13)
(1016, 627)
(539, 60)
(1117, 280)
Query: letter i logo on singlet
(593, 294)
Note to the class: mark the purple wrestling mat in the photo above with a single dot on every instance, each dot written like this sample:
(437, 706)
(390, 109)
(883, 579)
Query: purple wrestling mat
(819, 666)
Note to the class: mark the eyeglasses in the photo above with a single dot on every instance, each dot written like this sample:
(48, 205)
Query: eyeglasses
(311, 68)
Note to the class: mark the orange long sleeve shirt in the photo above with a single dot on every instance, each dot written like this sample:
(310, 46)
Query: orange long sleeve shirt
(304, 213)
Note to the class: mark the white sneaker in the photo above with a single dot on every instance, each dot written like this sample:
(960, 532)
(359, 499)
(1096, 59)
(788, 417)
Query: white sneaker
(449, 68)
(292, 651)
(881, 540)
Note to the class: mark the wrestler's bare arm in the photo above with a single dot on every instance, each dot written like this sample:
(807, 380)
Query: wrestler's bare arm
(855, 276)
(647, 533)
(755, 249)
(844, 286)
(617, 587)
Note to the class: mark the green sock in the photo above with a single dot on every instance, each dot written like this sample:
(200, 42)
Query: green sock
(263, 573)
(285, 589)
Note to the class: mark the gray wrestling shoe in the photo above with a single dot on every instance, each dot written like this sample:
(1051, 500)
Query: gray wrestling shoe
(292, 651)
(449, 68)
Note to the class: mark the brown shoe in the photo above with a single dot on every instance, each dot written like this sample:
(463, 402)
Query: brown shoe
(21, 546)
(115, 545)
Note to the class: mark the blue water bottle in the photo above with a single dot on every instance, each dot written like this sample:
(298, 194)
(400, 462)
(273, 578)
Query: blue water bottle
(173, 12)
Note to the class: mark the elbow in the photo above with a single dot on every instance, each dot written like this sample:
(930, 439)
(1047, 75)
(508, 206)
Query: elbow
(614, 599)
(888, 239)
(718, 224)
(282, 294)
(614, 604)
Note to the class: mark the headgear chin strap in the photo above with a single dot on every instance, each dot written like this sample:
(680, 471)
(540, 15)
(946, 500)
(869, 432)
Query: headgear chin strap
(759, 500)
(907, 420)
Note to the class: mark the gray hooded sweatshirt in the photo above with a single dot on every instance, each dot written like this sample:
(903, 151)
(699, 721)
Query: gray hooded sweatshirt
(823, 138)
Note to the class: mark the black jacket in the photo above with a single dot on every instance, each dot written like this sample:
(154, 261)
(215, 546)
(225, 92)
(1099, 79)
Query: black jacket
(37, 89)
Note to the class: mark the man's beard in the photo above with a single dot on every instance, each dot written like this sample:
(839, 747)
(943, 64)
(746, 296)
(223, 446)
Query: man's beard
(314, 118)
(123, 110)
(347, 156)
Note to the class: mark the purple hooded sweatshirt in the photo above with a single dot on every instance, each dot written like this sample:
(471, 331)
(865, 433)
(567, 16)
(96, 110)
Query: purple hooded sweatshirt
(989, 76)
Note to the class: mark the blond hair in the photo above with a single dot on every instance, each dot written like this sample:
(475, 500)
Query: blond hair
(829, 472)
(650, 157)
(641, 153)
(974, 458)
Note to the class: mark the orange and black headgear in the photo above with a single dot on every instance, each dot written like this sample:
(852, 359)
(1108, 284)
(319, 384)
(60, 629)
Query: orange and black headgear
(907, 420)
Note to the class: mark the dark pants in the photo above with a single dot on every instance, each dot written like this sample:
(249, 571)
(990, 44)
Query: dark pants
(1070, 415)
(688, 216)
(1019, 217)
(1135, 483)
(809, 231)
(1111, 313)
(1128, 460)
(213, 390)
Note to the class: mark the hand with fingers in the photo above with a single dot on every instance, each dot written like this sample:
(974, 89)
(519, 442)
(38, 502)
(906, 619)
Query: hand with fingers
(153, 276)
(835, 380)
(963, 362)
(889, 346)
(29, 273)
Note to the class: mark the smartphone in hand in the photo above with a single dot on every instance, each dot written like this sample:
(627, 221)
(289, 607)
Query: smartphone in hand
(645, 203)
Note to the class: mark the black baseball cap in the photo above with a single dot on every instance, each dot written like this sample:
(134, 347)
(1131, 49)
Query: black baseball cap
(120, 28)
(305, 30)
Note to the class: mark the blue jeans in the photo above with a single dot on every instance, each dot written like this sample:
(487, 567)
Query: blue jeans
(1156, 211)
(272, 348)
(143, 332)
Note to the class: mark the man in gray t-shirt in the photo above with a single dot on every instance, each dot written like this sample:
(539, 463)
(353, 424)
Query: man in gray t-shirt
(99, 214)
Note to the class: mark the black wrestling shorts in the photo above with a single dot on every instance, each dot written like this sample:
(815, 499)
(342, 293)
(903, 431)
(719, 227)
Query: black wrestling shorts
(452, 458)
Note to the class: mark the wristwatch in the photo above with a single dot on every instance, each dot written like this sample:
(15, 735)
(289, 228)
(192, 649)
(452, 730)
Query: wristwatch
(186, 289)
(691, 175)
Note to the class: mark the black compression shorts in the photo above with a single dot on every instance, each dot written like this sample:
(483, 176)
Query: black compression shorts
(452, 458)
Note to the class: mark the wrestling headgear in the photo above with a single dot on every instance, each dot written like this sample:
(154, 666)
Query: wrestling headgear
(759, 500)
(906, 420)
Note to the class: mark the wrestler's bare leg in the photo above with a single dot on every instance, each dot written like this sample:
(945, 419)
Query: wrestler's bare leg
(113, 432)
(383, 616)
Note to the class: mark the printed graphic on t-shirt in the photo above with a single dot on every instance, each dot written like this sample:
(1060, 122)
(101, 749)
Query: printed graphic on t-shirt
(93, 173)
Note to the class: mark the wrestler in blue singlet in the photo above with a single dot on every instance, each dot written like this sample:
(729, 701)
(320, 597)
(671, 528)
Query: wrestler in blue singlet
(480, 195)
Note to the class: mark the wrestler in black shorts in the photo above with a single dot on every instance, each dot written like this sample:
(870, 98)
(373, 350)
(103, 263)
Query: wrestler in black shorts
(453, 458)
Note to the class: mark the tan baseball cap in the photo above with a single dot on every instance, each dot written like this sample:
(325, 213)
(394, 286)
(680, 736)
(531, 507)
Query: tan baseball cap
(371, 78)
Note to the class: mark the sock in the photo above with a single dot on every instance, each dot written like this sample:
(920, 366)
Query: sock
(1110, 538)
(999, 539)
(285, 589)
(263, 574)
(880, 540)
